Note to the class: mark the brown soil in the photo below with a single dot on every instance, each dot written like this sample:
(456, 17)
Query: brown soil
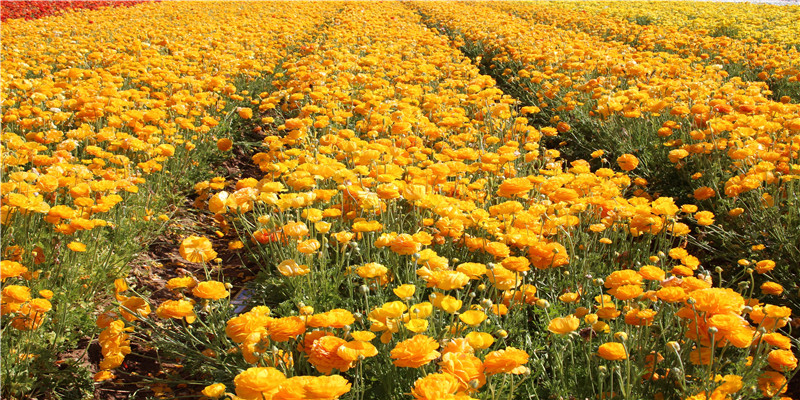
(149, 274)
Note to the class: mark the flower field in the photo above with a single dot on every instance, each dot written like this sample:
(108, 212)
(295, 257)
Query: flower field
(400, 200)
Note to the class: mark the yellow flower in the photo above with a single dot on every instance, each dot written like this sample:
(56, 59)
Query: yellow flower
(628, 162)
(564, 325)
(11, 269)
(197, 249)
(211, 290)
(214, 391)
(77, 247)
(405, 292)
(224, 144)
(182, 282)
(480, 340)
(612, 351)
(291, 268)
(177, 309)
(472, 317)
(103, 376)
(510, 360)
(415, 352)
(258, 383)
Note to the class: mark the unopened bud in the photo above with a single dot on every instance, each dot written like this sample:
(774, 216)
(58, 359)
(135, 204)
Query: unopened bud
(542, 303)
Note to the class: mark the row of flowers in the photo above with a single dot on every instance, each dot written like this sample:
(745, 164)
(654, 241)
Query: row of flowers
(731, 142)
(405, 194)
(412, 233)
(100, 125)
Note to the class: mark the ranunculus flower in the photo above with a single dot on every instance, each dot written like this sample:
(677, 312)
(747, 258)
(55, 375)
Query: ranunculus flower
(212, 290)
(415, 352)
(197, 249)
(612, 351)
(564, 325)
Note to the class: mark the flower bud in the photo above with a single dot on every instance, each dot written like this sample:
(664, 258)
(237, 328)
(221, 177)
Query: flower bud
(675, 346)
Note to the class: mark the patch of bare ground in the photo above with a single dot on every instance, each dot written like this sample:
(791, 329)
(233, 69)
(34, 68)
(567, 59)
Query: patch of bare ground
(161, 261)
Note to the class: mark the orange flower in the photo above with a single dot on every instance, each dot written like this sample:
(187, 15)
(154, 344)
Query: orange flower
(718, 301)
(309, 246)
(197, 249)
(214, 391)
(497, 249)
(283, 329)
(323, 355)
(351, 351)
(258, 383)
(182, 282)
(11, 269)
(671, 294)
(509, 360)
(628, 162)
(764, 266)
(254, 321)
(336, 318)
(224, 144)
(295, 229)
(16, 294)
(627, 292)
(612, 351)
(291, 268)
(704, 218)
(77, 247)
(136, 305)
(466, 368)
(472, 317)
(405, 292)
(564, 325)
(211, 290)
(313, 387)
(703, 193)
(772, 383)
(450, 280)
(782, 360)
(372, 270)
(404, 244)
(516, 264)
(479, 340)
(435, 387)
(548, 255)
(415, 352)
(177, 309)
(514, 187)
(772, 288)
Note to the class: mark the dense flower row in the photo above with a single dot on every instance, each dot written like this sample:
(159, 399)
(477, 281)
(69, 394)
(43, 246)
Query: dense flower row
(364, 191)
(27, 9)
(732, 143)
(768, 23)
(413, 234)
(97, 121)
